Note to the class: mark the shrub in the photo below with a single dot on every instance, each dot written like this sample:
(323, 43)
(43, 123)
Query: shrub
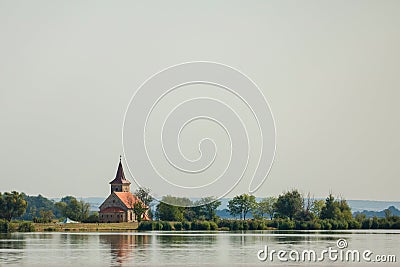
(3, 226)
(396, 225)
(253, 225)
(186, 225)
(262, 226)
(12, 227)
(201, 225)
(157, 226)
(224, 229)
(213, 226)
(286, 225)
(166, 226)
(354, 224)
(313, 225)
(178, 226)
(26, 227)
(225, 224)
(366, 224)
(145, 226)
(237, 225)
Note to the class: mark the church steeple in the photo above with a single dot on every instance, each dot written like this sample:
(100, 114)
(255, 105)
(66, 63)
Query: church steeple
(120, 183)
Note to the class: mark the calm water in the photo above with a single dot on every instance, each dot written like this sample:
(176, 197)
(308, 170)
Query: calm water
(182, 248)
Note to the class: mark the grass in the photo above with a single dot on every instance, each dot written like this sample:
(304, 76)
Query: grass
(85, 227)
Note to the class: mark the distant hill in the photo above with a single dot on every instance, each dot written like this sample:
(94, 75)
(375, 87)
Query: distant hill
(379, 214)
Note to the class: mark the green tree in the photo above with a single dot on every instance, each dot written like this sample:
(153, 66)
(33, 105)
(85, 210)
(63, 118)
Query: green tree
(143, 194)
(46, 216)
(336, 210)
(316, 207)
(289, 204)
(206, 208)
(12, 205)
(265, 207)
(72, 208)
(241, 205)
(139, 209)
(174, 209)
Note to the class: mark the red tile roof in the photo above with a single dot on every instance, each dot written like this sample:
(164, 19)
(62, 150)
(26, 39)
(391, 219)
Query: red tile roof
(120, 176)
(127, 198)
(110, 210)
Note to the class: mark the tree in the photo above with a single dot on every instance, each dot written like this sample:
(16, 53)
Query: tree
(337, 210)
(174, 209)
(388, 213)
(289, 204)
(139, 209)
(36, 204)
(12, 205)
(46, 216)
(76, 210)
(317, 206)
(143, 194)
(264, 207)
(241, 205)
(206, 207)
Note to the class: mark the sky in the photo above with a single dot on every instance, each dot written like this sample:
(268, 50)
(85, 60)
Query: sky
(329, 70)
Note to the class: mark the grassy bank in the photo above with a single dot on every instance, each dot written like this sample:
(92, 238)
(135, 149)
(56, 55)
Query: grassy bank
(28, 226)
(85, 227)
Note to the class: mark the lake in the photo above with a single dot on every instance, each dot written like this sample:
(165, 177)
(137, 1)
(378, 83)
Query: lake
(189, 248)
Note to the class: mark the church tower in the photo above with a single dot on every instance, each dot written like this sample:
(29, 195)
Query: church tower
(120, 183)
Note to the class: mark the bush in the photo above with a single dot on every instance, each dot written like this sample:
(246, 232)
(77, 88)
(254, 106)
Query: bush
(313, 225)
(213, 226)
(396, 225)
(253, 225)
(201, 225)
(225, 224)
(287, 225)
(156, 226)
(224, 229)
(94, 218)
(3, 226)
(354, 224)
(262, 226)
(12, 227)
(166, 226)
(366, 224)
(187, 225)
(237, 225)
(145, 226)
(26, 227)
(178, 226)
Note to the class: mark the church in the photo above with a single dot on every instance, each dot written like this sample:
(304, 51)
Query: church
(118, 207)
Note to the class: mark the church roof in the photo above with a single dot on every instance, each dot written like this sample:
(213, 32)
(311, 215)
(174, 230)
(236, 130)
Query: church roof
(120, 176)
(127, 198)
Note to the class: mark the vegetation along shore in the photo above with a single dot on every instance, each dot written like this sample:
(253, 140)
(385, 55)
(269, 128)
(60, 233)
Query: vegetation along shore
(289, 211)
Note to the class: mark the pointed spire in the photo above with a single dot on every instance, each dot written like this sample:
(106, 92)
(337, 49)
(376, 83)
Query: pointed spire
(120, 176)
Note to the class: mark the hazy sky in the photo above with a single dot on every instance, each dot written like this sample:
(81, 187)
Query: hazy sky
(329, 69)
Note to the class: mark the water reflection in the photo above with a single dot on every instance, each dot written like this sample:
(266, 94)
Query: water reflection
(125, 247)
(176, 248)
(11, 248)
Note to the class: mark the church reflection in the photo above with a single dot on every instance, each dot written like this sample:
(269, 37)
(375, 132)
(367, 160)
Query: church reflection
(125, 248)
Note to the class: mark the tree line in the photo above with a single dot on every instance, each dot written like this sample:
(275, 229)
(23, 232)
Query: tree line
(290, 210)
